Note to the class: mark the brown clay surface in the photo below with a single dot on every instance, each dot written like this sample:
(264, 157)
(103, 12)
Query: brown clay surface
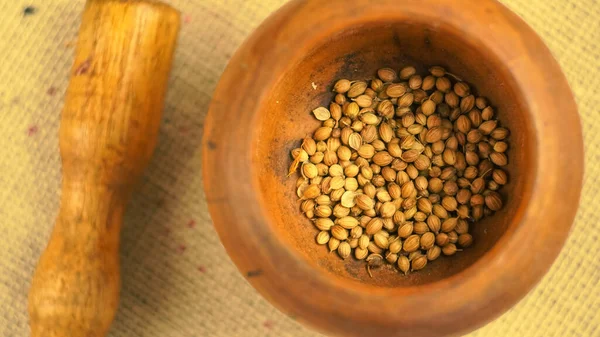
(357, 54)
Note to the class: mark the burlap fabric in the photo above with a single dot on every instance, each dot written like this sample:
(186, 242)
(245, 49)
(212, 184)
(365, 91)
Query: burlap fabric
(177, 279)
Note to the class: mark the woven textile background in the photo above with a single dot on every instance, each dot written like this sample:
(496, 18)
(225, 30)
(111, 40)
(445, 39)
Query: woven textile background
(177, 279)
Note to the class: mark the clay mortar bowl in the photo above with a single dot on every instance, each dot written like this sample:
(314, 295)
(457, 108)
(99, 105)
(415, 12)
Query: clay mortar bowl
(261, 110)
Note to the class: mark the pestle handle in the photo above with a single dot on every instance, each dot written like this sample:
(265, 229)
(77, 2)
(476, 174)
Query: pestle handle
(108, 131)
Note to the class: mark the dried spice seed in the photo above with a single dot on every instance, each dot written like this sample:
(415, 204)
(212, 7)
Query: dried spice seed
(322, 113)
(427, 240)
(382, 158)
(437, 71)
(418, 263)
(449, 224)
(333, 244)
(453, 237)
(374, 260)
(428, 83)
(323, 211)
(443, 84)
(344, 250)
(363, 101)
(410, 156)
(405, 230)
(347, 222)
(411, 244)
(434, 223)
(374, 226)
(406, 100)
(462, 89)
(449, 249)
(500, 147)
(366, 151)
(387, 74)
(433, 253)
(380, 240)
(391, 258)
(465, 240)
(395, 90)
(452, 100)
(500, 177)
(407, 72)
(339, 232)
(415, 82)
(499, 159)
(428, 107)
(377, 85)
(493, 201)
(356, 89)
(442, 239)
(322, 133)
(403, 264)
(499, 134)
(324, 224)
(361, 253)
(342, 86)
(323, 237)
(467, 104)
(420, 227)
(481, 103)
(475, 117)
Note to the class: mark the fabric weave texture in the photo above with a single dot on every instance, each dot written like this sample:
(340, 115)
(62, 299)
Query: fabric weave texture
(177, 280)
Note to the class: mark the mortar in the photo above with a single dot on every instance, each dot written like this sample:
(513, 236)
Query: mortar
(261, 110)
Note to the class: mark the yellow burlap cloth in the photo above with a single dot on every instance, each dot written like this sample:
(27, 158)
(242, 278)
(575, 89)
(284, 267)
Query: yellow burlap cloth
(177, 278)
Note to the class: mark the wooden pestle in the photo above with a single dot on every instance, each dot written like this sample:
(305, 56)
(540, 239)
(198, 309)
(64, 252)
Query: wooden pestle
(108, 132)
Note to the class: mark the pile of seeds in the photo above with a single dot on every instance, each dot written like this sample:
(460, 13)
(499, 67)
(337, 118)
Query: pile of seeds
(401, 167)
